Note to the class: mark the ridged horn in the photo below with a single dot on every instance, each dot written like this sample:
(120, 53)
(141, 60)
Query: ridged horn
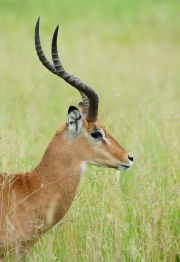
(89, 96)
(40, 52)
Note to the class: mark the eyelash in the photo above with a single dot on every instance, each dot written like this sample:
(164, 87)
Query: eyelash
(96, 135)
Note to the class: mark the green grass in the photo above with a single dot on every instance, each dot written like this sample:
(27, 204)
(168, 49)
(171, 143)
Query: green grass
(129, 52)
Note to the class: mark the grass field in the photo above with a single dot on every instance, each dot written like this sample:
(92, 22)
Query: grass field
(129, 52)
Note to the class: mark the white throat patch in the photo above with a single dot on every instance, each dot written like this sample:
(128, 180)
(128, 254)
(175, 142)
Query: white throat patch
(83, 167)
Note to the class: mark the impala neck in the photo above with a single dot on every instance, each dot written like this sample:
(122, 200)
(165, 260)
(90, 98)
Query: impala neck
(58, 173)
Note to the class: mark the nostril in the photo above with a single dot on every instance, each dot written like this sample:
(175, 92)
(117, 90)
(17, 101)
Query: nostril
(130, 158)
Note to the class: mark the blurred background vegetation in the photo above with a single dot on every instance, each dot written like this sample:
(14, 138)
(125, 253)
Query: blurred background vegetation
(128, 51)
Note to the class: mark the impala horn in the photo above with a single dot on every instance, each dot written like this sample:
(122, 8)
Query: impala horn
(89, 96)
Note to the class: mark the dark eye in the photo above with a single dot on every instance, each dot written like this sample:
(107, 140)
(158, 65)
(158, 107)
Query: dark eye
(96, 135)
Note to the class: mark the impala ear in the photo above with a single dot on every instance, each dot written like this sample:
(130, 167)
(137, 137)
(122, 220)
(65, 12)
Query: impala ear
(80, 107)
(74, 119)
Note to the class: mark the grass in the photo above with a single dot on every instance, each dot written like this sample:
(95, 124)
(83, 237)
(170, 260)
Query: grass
(129, 52)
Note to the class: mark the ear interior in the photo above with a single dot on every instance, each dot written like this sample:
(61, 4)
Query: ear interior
(74, 119)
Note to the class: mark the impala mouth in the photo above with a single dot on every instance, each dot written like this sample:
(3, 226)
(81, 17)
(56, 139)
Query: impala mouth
(124, 167)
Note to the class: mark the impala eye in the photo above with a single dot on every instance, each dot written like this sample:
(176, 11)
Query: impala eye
(96, 135)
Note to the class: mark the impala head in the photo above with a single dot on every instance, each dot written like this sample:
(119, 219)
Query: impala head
(84, 131)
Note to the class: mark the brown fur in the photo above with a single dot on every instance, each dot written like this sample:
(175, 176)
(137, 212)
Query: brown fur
(33, 202)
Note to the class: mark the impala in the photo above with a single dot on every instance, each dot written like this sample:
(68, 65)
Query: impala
(32, 203)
